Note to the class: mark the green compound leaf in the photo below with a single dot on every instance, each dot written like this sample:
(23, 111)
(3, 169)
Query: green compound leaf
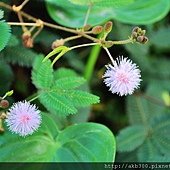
(42, 73)
(160, 129)
(68, 83)
(147, 151)
(85, 142)
(4, 34)
(56, 103)
(130, 138)
(81, 98)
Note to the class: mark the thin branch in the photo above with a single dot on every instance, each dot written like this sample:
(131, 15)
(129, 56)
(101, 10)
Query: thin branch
(83, 45)
(26, 24)
(110, 56)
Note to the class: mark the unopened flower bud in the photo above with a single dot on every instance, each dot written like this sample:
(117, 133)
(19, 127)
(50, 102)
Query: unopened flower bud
(108, 27)
(135, 29)
(134, 34)
(145, 40)
(143, 32)
(87, 27)
(9, 93)
(4, 104)
(27, 40)
(140, 38)
(97, 29)
(57, 43)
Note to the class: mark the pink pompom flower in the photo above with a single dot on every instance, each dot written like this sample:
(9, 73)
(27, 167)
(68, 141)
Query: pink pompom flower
(122, 78)
(23, 118)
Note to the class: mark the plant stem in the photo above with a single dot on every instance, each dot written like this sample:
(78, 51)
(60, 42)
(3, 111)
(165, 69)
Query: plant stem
(91, 62)
(33, 97)
(72, 38)
(82, 45)
(123, 41)
(25, 24)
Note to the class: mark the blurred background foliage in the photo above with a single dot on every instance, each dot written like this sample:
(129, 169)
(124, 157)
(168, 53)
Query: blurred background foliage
(141, 121)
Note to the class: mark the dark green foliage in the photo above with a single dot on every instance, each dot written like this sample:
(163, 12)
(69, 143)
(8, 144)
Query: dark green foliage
(4, 35)
(131, 138)
(6, 77)
(19, 55)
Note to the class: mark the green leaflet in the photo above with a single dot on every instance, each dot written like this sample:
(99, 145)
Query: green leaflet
(131, 137)
(147, 151)
(56, 103)
(64, 72)
(48, 144)
(42, 73)
(160, 129)
(4, 35)
(68, 83)
(81, 98)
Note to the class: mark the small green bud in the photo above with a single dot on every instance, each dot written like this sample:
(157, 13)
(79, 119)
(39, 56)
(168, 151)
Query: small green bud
(87, 27)
(108, 44)
(97, 29)
(135, 29)
(4, 104)
(143, 32)
(9, 93)
(108, 27)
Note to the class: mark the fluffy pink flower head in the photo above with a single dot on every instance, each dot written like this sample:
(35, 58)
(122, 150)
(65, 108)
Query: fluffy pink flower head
(122, 78)
(23, 118)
